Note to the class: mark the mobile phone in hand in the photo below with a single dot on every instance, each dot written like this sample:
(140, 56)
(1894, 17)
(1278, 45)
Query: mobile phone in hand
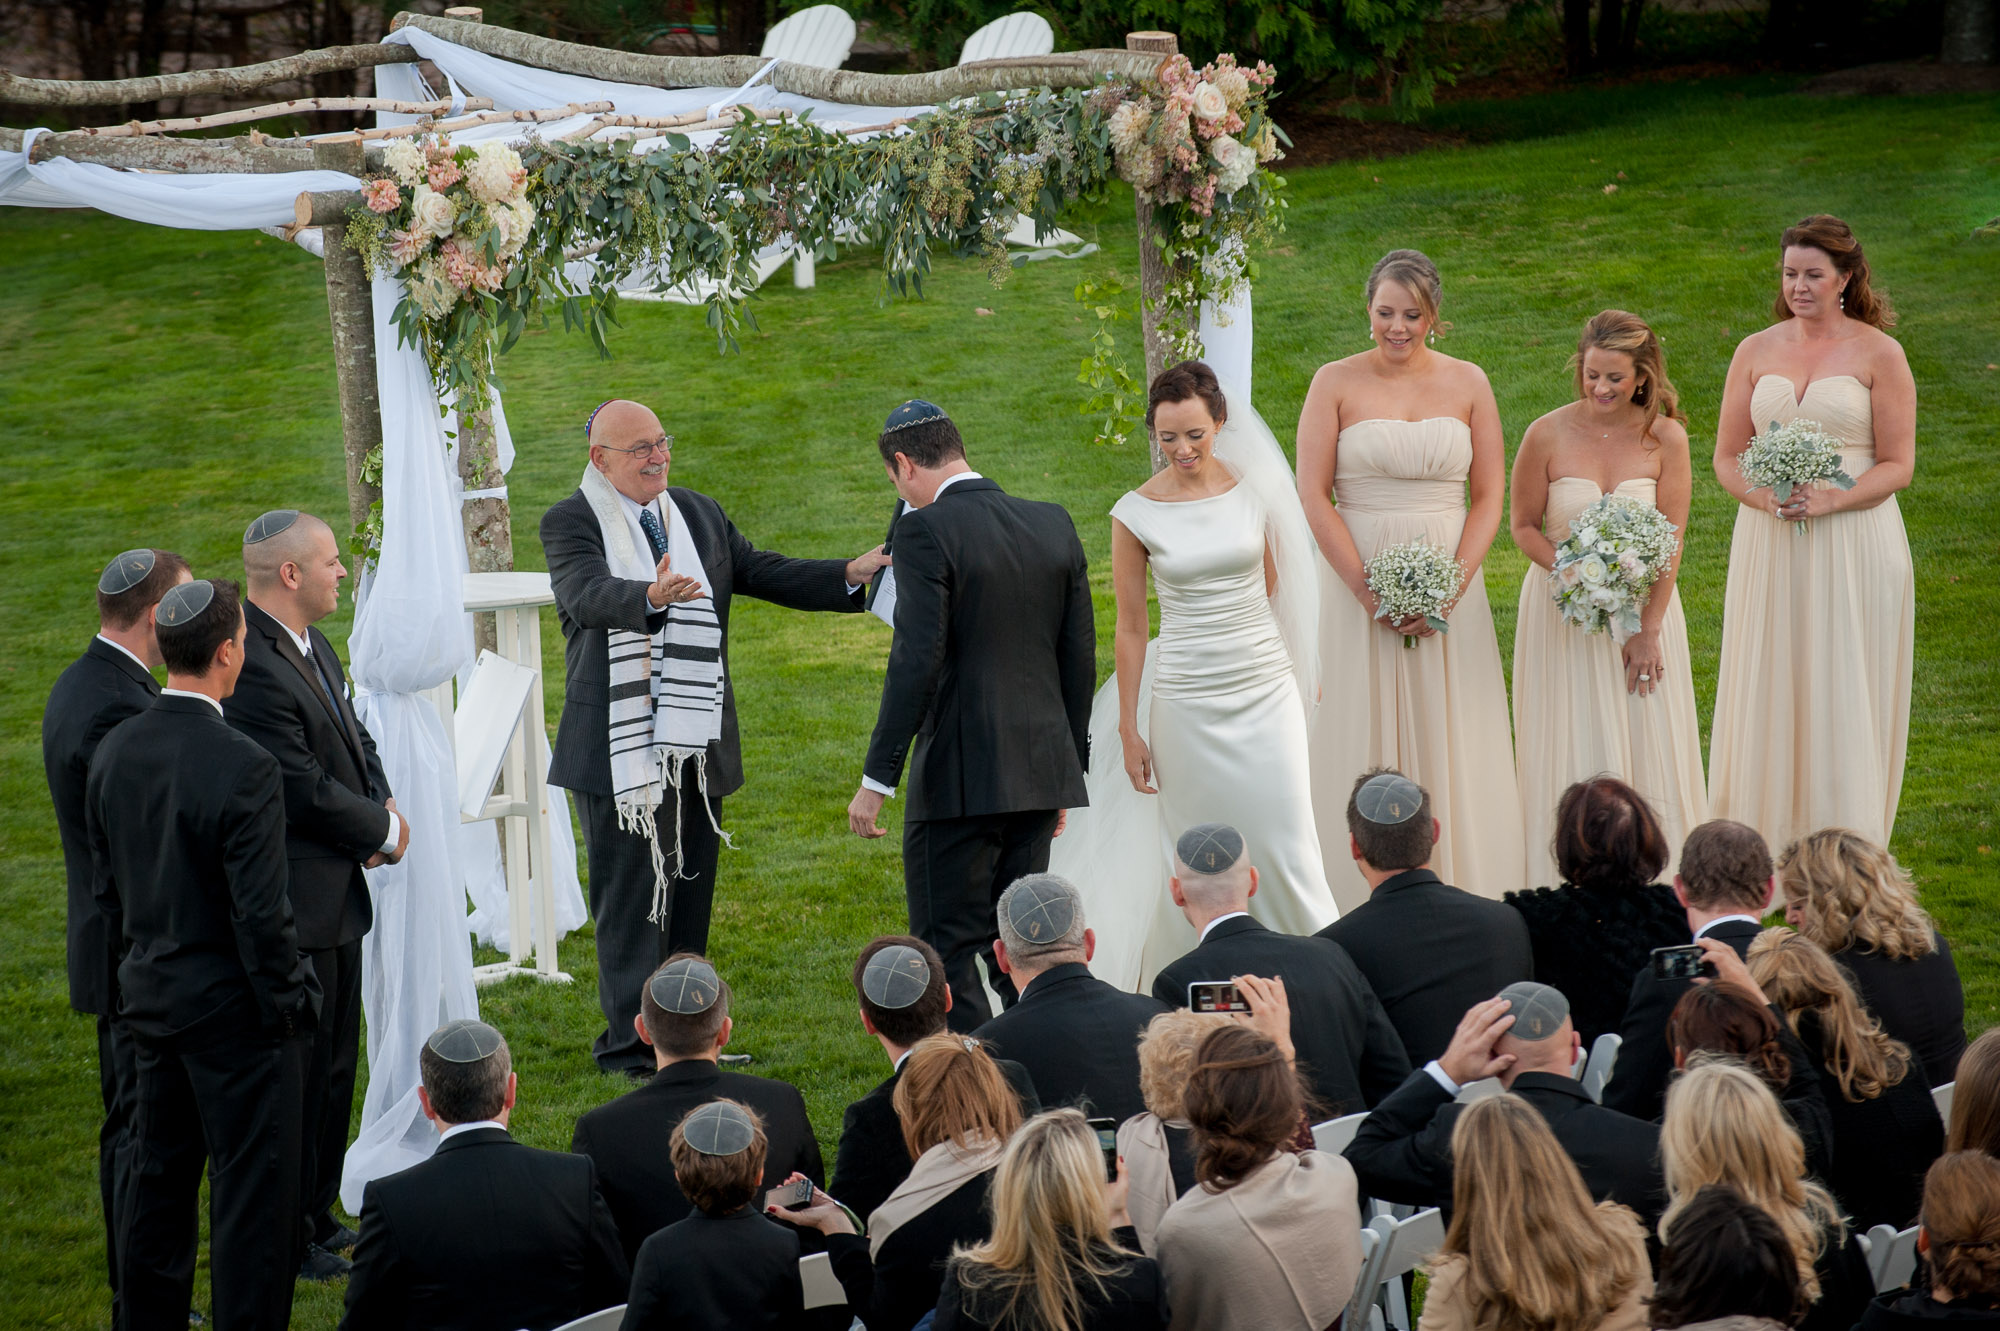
(1107, 1142)
(790, 1196)
(1681, 963)
(1215, 996)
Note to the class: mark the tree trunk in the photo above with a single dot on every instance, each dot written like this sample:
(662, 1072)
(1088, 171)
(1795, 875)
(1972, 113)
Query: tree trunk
(743, 26)
(350, 307)
(489, 532)
(1968, 32)
(1576, 37)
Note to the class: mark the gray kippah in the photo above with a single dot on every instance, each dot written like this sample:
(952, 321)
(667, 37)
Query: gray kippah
(1210, 848)
(125, 572)
(181, 604)
(686, 986)
(896, 977)
(1388, 798)
(719, 1127)
(1039, 912)
(464, 1041)
(914, 412)
(267, 525)
(1539, 1010)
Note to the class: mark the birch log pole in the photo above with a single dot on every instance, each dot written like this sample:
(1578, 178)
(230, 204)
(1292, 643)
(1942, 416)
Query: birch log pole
(1152, 268)
(352, 312)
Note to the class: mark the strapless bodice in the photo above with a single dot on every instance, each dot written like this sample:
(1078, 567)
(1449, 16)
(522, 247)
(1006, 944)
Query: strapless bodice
(1570, 495)
(1840, 403)
(1403, 467)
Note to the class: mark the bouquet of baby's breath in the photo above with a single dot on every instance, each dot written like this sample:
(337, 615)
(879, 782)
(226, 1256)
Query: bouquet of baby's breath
(1791, 456)
(1605, 570)
(1414, 580)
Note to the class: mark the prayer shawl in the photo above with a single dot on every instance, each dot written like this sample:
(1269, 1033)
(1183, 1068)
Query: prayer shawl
(938, 1173)
(666, 687)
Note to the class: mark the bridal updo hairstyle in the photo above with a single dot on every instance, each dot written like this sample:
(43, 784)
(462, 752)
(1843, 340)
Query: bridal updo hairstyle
(1244, 1101)
(1835, 239)
(1616, 330)
(1413, 270)
(1607, 836)
(1189, 379)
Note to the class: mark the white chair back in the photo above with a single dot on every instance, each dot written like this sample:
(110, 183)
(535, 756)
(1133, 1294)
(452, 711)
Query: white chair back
(1015, 35)
(822, 1289)
(1891, 1254)
(1401, 1247)
(1603, 1058)
(820, 36)
(1333, 1135)
(1941, 1097)
(1479, 1090)
(1365, 1284)
(605, 1319)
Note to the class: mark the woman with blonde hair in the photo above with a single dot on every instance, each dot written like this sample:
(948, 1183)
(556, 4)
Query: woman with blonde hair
(1527, 1249)
(1849, 895)
(1958, 1236)
(1975, 1099)
(1060, 1258)
(1157, 1146)
(1603, 703)
(1723, 1125)
(1886, 1129)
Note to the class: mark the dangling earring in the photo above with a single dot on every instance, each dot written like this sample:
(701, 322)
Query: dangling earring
(1431, 338)
(1372, 337)
(1843, 299)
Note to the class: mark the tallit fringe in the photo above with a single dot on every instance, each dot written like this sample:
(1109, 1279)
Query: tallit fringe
(636, 815)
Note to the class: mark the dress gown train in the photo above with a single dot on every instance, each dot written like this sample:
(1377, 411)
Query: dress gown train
(1812, 699)
(1573, 717)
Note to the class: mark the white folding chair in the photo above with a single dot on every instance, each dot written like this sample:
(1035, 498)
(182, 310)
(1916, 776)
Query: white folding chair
(1333, 1135)
(1603, 1058)
(820, 36)
(822, 1288)
(1941, 1096)
(605, 1319)
(1404, 1245)
(1015, 35)
(1479, 1090)
(1366, 1284)
(1891, 1254)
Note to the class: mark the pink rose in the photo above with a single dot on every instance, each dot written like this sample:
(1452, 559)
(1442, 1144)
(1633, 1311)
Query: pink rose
(382, 196)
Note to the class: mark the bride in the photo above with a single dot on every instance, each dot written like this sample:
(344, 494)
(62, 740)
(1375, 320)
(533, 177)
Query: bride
(1208, 723)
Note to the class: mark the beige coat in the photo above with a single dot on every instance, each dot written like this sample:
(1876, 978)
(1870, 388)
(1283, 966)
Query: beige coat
(1280, 1251)
(1149, 1178)
(1446, 1308)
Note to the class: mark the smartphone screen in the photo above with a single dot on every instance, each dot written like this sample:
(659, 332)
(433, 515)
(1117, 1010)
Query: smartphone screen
(1107, 1142)
(1680, 963)
(1215, 996)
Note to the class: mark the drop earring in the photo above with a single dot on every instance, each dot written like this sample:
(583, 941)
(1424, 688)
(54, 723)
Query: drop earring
(1431, 338)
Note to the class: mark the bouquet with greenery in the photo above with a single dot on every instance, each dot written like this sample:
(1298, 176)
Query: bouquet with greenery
(1414, 580)
(1791, 456)
(1605, 570)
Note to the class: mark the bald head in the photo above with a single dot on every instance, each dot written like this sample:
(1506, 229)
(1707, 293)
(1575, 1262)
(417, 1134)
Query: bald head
(294, 576)
(632, 449)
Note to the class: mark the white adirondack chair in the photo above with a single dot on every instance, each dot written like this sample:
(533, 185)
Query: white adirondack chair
(1014, 35)
(820, 36)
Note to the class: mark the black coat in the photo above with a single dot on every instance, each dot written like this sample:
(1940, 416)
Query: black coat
(591, 600)
(628, 1138)
(717, 1273)
(486, 1235)
(1588, 942)
(1430, 951)
(1845, 1287)
(1881, 1147)
(1916, 1310)
(1402, 1152)
(334, 785)
(872, 1158)
(1079, 1039)
(98, 690)
(1638, 1084)
(1919, 1002)
(1133, 1298)
(994, 661)
(1348, 1051)
(894, 1290)
(187, 840)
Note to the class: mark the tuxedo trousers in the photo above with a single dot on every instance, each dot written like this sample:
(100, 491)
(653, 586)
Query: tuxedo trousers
(630, 947)
(117, 1084)
(331, 1070)
(954, 870)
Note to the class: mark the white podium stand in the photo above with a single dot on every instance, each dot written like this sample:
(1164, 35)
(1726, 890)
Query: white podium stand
(503, 755)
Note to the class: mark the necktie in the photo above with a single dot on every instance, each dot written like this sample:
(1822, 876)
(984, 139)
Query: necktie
(656, 535)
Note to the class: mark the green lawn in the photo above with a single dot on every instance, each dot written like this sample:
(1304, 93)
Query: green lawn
(163, 387)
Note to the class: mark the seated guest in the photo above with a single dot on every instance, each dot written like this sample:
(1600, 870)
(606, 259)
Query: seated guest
(1724, 886)
(1156, 1146)
(1851, 897)
(1592, 934)
(1077, 1036)
(1429, 950)
(1403, 1151)
(1723, 1125)
(1958, 1282)
(726, 1265)
(1527, 1247)
(1886, 1129)
(957, 1113)
(1061, 1257)
(1731, 1019)
(1727, 1266)
(684, 1016)
(1349, 1054)
(486, 1233)
(900, 985)
(1975, 1099)
(1271, 1240)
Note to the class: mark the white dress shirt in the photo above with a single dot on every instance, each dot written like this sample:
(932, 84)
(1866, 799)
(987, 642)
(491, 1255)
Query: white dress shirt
(457, 1128)
(190, 693)
(130, 655)
(304, 644)
(1702, 932)
(1208, 928)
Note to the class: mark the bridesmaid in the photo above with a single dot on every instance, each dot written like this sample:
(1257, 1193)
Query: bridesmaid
(1387, 444)
(1584, 705)
(1812, 702)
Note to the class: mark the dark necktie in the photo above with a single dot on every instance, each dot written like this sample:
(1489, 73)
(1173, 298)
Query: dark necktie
(656, 535)
(326, 684)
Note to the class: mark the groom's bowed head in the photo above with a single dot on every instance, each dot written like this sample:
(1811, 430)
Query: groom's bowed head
(922, 450)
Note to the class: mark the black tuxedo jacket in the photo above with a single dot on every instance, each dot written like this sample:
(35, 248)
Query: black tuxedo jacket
(334, 786)
(1078, 1037)
(872, 1159)
(187, 842)
(484, 1235)
(1348, 1051)
(1430, 951)
(591, 601)
(718, 1273)
(99, 689)
(1638, 1084)
(1402, 1152)
(994, 659)
(628, 1138)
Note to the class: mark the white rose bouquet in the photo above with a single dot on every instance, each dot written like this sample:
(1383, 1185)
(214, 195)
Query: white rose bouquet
(1605, 570)
(1414, 580)
(1791, 456)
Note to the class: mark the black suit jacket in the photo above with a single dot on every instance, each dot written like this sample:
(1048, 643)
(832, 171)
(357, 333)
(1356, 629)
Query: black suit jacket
(1430, 951)
(872, 1159)
(99, 689)
(1638, 1084)
(334, 785)
(994, 660)
(628, 1138)
(486, 1234)
(591, 600)
(1348, 1051)
(1402, 1152)
(718, 1273)
(1079, 1039)
(187, 842)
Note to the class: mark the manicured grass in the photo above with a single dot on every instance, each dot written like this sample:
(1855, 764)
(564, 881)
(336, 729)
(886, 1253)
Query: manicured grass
(164, 387)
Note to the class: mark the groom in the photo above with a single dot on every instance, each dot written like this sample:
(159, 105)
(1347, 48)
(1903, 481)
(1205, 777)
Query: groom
(988, 695)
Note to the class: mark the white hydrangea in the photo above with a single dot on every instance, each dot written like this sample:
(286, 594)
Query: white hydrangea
(431, 213)
(1235, 164)
(405, 161)
(495, 174)
(514, 221)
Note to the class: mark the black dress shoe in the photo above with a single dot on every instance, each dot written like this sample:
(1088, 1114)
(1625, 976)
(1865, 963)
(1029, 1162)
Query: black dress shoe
(342, 1239)
(323, 1267)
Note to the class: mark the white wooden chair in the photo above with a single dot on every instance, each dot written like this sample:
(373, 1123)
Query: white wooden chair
(605, 1319)
(1015, 35)
(1891, 1254)
(823, 1290)
(1333, 1135)
(1479, 1090)
(1401, 1247)
(820, 36)
(1603, 1058)
(1941, 1096)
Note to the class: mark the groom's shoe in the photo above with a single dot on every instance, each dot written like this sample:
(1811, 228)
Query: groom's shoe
(323, 1267)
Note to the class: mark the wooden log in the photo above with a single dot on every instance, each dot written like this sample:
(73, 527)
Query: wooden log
(297, 106)
(350, 308)
(324, 208)
(229, 81)
(464, 122)
(1152, 267)
(234, 156)
(489, 529)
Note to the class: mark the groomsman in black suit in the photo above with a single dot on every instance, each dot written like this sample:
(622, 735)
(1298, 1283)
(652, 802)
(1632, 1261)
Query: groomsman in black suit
(988, 695)
(637, 566)
(339, 819)
(187, 837)
(111, 681)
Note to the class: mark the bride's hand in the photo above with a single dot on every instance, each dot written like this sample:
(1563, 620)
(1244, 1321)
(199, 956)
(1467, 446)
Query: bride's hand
(1138, 763)
(1643, 662)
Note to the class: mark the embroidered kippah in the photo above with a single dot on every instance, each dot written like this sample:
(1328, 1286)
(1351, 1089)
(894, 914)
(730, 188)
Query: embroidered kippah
(181, 604)
(720, 1127)
(1388, 798)
(1539, 1010)
(685, 986)
(267, 525)
(896, 977)
(1039, 912)
(592, 418)
(126, 572)
(1210, 848)
(464, 1041)
(914, 412)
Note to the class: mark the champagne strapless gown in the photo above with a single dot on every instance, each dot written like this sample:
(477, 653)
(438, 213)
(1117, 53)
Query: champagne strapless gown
(1572, 716)
(1437, 713)
(1812, 700)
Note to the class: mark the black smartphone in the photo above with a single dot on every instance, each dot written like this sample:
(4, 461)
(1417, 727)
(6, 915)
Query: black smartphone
(790, 1196)
(1681, 963)
(1107, 1142)
(1215, 996)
